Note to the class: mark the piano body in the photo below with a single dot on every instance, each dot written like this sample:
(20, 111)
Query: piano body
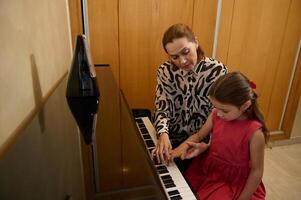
(58, 157)
(123, 144)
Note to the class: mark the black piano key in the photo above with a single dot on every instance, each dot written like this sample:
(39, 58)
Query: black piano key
(156, 161)
(141, 126)
(143, 130)
(169, 185)
(166, 177)
(177, 197)
(139, 120)
(149, 143)
(150, 150)
(146, 137)
(163, 171)
(173, 192)
(169, 181)
(161, 167)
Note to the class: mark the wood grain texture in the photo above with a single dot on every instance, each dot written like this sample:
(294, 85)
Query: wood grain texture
(255, 46)
(104, 36)
(75, 16)
(225, 29)
(288, 53)
(204, 17)
(141, 27)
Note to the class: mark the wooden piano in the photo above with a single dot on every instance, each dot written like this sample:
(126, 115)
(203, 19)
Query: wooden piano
(124, 167)
(90, 149)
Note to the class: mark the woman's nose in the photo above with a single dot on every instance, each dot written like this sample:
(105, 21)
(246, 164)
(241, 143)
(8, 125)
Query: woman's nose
(182, 60)
(219, 114)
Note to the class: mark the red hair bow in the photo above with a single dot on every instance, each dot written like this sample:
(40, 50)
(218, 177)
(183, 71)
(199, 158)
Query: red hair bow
(253, 85)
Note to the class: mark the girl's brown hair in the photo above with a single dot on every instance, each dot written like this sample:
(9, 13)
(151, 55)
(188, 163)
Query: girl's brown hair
(234, 88)
(178, 31)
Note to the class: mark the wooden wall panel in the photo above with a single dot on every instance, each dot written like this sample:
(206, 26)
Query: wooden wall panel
(103, 28)
(256, 37)
(225, 29)
(289, 48)
(255, 45)
(204, 17)
(75, 15)
(141, 27)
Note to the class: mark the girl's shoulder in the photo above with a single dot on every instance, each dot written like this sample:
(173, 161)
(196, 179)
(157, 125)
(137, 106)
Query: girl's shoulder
(253, 126)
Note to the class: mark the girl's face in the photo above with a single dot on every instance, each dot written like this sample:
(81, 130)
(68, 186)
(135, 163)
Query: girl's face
(230, 112)
(183, 53)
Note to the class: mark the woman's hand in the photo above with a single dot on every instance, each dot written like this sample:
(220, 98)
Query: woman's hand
(194, 149)
(163, 148)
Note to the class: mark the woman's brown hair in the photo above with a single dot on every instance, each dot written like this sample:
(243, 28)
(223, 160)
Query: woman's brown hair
(235, 89)
(179, 31)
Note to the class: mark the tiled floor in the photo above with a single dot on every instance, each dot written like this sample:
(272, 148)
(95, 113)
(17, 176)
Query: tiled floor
(282, 173)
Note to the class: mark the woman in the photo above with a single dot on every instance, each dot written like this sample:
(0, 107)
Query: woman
(181, 104)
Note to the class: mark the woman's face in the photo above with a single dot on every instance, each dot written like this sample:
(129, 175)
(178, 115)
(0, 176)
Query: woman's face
(183, 53)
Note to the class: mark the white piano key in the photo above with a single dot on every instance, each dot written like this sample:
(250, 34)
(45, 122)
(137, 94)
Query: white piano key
(177, 177)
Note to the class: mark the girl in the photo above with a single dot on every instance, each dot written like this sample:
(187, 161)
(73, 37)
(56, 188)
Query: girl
(232, 167)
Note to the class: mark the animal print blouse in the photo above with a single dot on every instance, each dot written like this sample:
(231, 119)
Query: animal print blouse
(182, 105)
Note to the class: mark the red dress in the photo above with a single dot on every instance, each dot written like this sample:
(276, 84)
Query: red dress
(222, 171)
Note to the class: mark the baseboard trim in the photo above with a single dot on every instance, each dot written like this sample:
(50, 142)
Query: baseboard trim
(293, 140)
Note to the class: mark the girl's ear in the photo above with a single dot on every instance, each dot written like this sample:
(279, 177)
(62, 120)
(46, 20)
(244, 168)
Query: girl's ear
(245, 106)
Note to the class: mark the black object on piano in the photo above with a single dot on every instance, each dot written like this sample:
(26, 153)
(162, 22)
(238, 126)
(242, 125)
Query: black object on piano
(82, 91)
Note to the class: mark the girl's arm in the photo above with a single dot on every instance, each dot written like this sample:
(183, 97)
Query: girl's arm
(257, 144)
(182, 149)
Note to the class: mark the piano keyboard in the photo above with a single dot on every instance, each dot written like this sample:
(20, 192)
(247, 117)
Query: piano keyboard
(170, 176)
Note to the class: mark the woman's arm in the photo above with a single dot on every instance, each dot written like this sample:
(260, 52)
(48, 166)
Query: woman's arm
(161, 120)
(257, 144)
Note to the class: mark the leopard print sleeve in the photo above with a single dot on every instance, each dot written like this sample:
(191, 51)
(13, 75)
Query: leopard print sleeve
(162, 103)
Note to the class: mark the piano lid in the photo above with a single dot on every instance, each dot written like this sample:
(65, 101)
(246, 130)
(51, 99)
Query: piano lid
(82, 77)
(82, 90)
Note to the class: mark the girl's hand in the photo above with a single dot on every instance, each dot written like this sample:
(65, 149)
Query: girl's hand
(194, 149)
(180, 151)
(162, 150)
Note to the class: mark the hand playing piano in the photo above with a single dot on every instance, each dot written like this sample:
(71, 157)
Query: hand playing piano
(162, 151)
(188, 150)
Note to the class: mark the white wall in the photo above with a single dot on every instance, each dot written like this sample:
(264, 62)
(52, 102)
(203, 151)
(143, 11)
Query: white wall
(35, 52)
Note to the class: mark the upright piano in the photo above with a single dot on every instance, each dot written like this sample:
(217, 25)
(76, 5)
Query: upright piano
(57, 157)
(123, 146)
